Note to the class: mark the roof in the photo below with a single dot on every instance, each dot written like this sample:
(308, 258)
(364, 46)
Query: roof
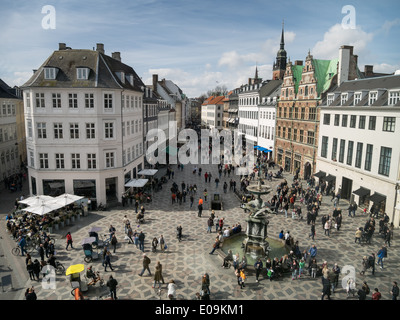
(207, 101)
(269, 88)
(297, 72)
(324, 72)
(6, 92)
(102, 74)
(217, 100)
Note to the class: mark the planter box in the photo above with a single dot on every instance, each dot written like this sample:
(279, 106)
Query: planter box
(62, 224)
(78, 217)
(49, 230)
(67, 222)
(72, 219)
(56, 227)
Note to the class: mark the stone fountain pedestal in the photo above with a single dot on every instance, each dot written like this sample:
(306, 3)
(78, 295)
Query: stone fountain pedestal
(255, 244)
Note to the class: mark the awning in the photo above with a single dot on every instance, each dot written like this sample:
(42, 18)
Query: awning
(320, 174)
(257, 147)
(148, 172)
(136, 183)
(361, 192)
(330, 178)
(377, 198)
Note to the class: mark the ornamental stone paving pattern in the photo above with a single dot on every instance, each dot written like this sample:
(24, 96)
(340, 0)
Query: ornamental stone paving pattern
(187, 261)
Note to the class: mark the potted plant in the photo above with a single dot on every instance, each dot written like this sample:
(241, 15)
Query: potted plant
(73, 215)
(49, 227)
(62, 222)
(67, 219)
(56, 223)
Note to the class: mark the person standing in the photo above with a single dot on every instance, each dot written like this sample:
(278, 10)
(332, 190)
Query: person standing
(358, 236)
(30, 269)
(69, 240)
(395, 291)
(157, 276)
(107, 261)
(312, 234)
(41, 252)
(146, 263)
(179, 232)
(161, 242)
(210, 223)
(111, 230)
(112, 286)
(326, 288)
(336, 273)
(380, 255)
(114, 242)
(22, 244)
(191, 200)
(141, 238)
(258, 266)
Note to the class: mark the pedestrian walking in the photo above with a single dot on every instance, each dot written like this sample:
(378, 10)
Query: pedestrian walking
(157, 276)
(141, 238)
(107, 262)
(112, 286)
(36, 269)
(326, 289)
(41, 252)
(69, 240)
(154, 244)
(210, 223)
(30, 269)
(376, 295)
(146, 263)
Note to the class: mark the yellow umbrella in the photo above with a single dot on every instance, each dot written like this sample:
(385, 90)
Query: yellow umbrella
(76, 268)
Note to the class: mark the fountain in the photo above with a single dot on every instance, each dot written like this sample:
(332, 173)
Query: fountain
(255, 242)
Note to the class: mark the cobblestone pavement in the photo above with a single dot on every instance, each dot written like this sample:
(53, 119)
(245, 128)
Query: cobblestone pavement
(187, 261)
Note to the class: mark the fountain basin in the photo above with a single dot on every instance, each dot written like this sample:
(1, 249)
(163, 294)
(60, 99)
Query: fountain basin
(234, 243)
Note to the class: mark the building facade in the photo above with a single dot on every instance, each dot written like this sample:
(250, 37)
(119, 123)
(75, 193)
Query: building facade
(84, 124)
(359, 150)
(298, 112)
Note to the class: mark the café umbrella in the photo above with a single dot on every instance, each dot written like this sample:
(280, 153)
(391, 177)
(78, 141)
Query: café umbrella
(43, 209)
(76, 268)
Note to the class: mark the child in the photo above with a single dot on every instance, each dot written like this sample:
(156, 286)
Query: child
(301, 267)
(242, 278)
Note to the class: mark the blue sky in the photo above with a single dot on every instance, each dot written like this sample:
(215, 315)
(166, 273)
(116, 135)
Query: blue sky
(198, 44)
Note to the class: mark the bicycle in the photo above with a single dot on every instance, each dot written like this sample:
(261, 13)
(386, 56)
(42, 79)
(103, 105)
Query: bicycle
(17, 250)
(104, 242)
(59, 268)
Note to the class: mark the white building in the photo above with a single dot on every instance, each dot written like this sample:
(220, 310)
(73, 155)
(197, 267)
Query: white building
(84, 124)
(359, 149)
(212, 112)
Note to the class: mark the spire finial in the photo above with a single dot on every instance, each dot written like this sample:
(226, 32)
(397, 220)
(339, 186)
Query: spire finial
(282, 36)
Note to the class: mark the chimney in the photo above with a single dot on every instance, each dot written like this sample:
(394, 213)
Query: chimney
(345, 53)
(100, 47)
(298, 62)
(116, 55)
(368, 71)
(34, 71)
(62, 46)
(155, 81)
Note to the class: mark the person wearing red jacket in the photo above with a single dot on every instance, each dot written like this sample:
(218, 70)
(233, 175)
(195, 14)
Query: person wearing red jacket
(69, 240)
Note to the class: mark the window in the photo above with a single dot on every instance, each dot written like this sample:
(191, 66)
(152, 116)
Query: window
(330, 99)
(91, 160)
(89, 100)
(284, 132)
(29, 129)
(74, 131)
(123, 128)
(58, 130)
(294, 134)
(28, 100)
(59, 161)
(109, 130)
(109, 159)
(394, 97)
(296, 113)
(301, 138)
(75, 160)
(41, 130)
(303, 113)
(353, 120)
(361, 122)
(327, 119)
(73, 100)
(341, 150)
(372, 97)
(384, 161)
(359, 154)
(278, 131)
(324, 147)
(82, 73)
(350, 153)
(337, 120)
(343, 98)
(289, 132)
(108, 101)
(310, 137)
(357, 98)
(312, 113)
(334, 149)
(90, 131)
(344, 120)
(128, 128)
(368, 157)
(389, 124)
(50, 73)
(31, 159)
(56, 100)
(44, 160)
(372, 123)
(40, 100)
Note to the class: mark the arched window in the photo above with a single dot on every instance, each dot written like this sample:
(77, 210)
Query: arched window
(306, 91)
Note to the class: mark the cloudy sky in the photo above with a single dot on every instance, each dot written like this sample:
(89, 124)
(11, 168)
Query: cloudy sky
(198, 44)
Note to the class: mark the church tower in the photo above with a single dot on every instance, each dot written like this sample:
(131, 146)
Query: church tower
(279, 67)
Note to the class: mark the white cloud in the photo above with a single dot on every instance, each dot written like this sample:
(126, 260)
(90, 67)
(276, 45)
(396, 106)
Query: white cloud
(337, 36)
(386, 68)
(389, 25)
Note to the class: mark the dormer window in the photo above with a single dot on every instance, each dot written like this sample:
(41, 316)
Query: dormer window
(130, 79)
(50, 73)
(372, 97)
(394, 97)
(357, 98)
(343, 98)
(121, 76)
(330, 99)
(82, 73)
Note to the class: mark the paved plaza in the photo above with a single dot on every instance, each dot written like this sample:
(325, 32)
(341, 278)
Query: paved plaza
(187, 261)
